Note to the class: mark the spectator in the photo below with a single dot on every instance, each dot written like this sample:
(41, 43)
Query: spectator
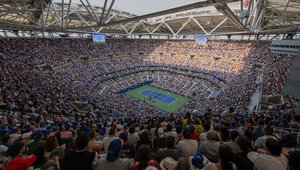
(270, 158)
(168, 151)
(268, 133)
(143, 158)
(231, 143)
(206, 127)
(128, 150)
(132, 137)
(113, 160)
(109, 138)
(159, 141)
(188, 146)
(182, 164)
(240, 159)
(144, 140)
(210, 148)
(80, 158)
(226, 158)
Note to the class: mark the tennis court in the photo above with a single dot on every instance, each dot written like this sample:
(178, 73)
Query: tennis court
(163, 98)
(160, 98)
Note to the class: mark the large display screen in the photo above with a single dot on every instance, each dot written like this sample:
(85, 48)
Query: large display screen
(201, 39)
(98, 38)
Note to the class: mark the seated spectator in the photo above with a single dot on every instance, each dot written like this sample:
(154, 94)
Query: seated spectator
(20, 163)
(15, 135)
(231, 143)
(66, 133)
(268, 133)
(80, 158)
(240, 159)
(198, 161)
(206, 127)
(36, 143)
(94, 144)
(132, 137)
(144, 140)
(188, 146)
(170, 131)
(226, 158)
(269, 159)
(235, 127)
(14, 151)
(143, 158)
(168, 163)
(168, 151)
(182, 164)
(109, 138)
(159, 141)
(52, 149)
(210, 148)
(112, 159)
(128, 150)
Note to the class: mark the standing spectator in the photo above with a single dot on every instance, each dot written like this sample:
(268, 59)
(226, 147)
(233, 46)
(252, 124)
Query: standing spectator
(194, 135)
(188, 146)
(80, 158)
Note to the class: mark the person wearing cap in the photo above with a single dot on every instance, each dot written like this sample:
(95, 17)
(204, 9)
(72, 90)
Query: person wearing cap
(112, 159)
(235, 127)
(36, 143)
(20, 163)
(159, 141)
(80, 157)
(198, 161)
(270, 158)
(268, 133)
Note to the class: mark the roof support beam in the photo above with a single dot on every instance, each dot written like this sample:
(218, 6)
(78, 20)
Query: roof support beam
(183, 25)
(168, 11)
(217, 26)
(200, 26)
(224, 9)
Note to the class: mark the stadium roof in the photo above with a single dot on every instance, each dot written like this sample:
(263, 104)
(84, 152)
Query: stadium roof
(211, 17)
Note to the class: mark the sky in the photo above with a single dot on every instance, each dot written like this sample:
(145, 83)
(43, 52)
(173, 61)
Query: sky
(139, 7)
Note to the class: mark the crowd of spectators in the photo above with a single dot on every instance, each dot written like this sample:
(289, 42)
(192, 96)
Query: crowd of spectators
(41, 130)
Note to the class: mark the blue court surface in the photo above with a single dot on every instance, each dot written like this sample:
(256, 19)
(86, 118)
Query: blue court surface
(163, 98)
